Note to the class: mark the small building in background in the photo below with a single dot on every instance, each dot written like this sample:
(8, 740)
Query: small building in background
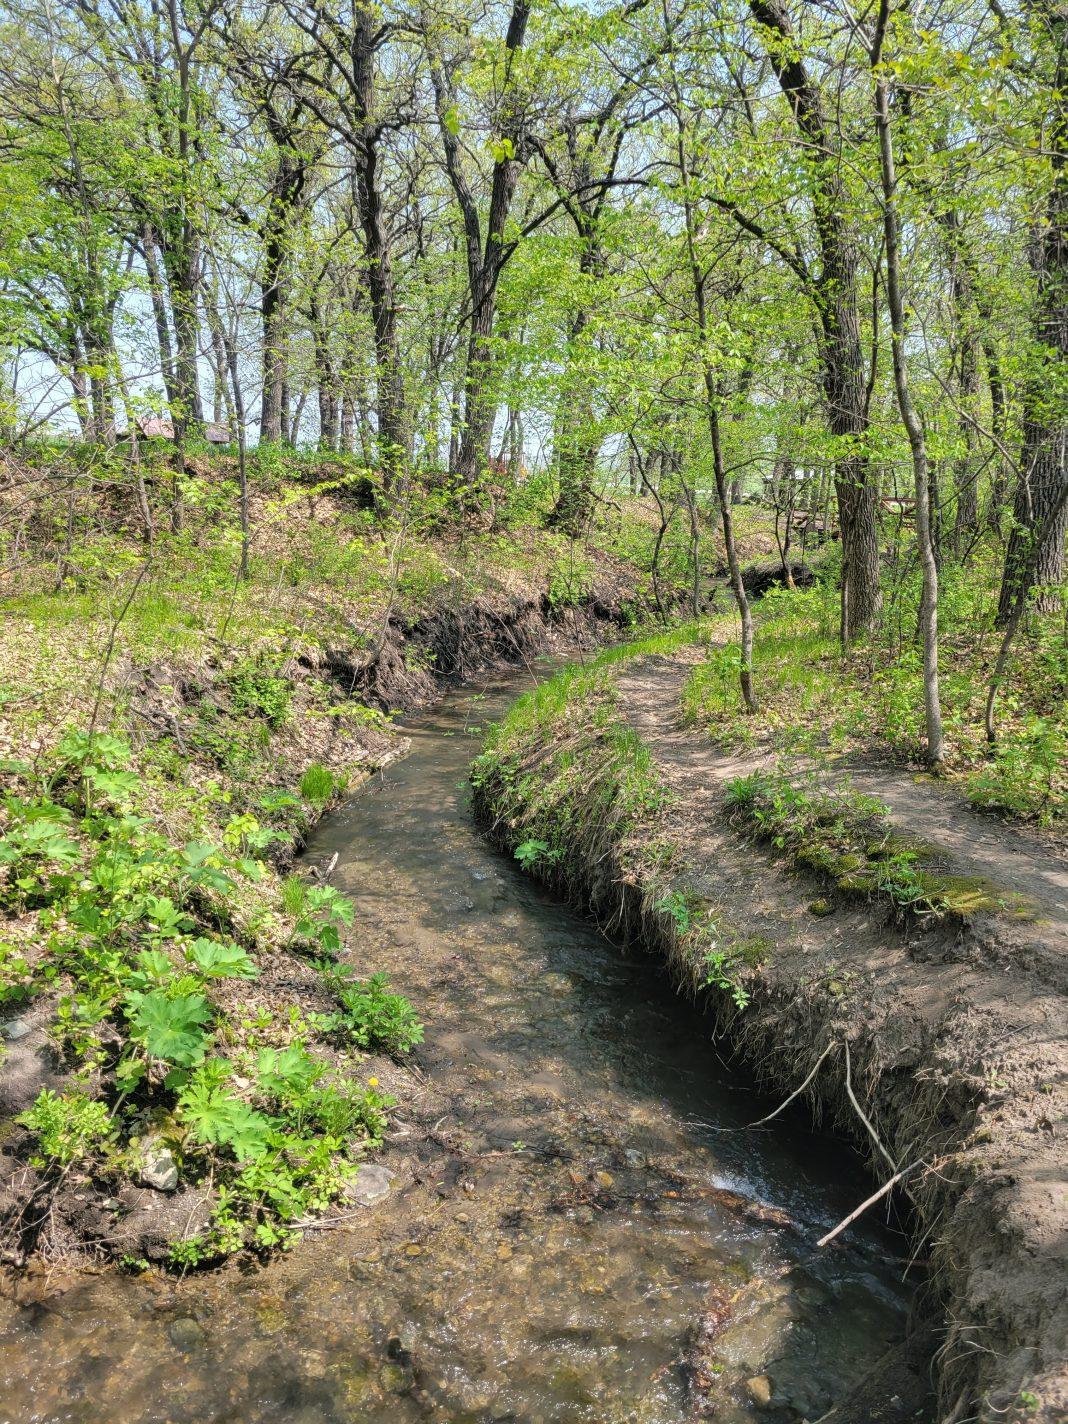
(158, 427)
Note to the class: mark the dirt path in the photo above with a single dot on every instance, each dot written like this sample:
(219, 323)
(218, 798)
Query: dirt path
(958, 1043)
(965, 842)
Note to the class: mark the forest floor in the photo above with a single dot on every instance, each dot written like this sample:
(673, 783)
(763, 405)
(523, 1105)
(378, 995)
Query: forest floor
(856, 929)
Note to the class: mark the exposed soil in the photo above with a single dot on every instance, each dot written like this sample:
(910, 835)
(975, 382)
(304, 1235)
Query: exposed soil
(954, 1035)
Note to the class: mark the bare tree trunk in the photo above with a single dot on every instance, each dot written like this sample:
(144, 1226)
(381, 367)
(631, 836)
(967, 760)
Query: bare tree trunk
(841, 355)
(698, 277)
(966, 477)
(159, 312)
(485, 256)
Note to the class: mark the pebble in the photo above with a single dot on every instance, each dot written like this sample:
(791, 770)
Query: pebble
(15, 1029)
(557, 983)
(759, 1389)
(158, 1169)
(186, 1333)
(397, 1378)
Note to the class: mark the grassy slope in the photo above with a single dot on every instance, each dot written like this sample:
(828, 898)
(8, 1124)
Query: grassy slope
(815, 702)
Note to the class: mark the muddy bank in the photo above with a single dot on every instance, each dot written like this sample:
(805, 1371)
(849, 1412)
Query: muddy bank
(939, 1046)
(414, 657)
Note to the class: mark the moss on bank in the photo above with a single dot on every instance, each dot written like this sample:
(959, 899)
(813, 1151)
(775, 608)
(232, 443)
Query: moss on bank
(848, 840)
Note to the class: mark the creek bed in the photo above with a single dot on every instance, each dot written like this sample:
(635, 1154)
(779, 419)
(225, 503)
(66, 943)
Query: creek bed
(573, 1193)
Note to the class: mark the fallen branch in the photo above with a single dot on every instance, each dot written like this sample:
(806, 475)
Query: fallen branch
(860, 1111)
(797, 1091)
(870, 1201)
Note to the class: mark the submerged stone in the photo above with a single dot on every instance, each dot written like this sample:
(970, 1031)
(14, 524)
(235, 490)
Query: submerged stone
(186, 1333)
(370, 1185)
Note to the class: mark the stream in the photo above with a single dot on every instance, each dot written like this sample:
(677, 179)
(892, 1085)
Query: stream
(573, 1190)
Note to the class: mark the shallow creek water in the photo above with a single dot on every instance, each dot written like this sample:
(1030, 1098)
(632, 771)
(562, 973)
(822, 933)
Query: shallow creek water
(561, 1217)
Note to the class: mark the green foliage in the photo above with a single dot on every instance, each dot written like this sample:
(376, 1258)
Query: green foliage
(720, 974)
(216, 1117)
(170, 1028)
(256, 692)
(321, 914)
(370, 1016)
(16, 978)
(814, 698)
(37, 849)
(294, 891)
(317, 785)
(679, 908)
(531, 853)
(68, 1126)
(1025, 773)
(216, 960)
(597, 770)
(847, 838)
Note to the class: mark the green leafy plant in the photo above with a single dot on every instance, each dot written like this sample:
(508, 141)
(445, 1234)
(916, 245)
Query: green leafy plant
(371, 1016)
(256, 692)
(534, 852)
(322, 915)
(216, 1117)
(170, 1029)
(216, 960)
(37, 848)
(68, 1126)
(720, 974)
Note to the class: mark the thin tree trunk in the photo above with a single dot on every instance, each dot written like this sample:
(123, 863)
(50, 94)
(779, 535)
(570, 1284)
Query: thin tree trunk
(159, 312)
(841, 355)
(745, 672)
(909, 415)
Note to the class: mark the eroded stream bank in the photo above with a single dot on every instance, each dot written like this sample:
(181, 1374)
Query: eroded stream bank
(566, 1207)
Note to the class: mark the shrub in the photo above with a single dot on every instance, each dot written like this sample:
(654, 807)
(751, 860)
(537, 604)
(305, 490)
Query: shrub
(256, 692)
(371, 1016)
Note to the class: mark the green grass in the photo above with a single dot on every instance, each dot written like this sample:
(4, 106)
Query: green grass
(561, 761)
(814, 699)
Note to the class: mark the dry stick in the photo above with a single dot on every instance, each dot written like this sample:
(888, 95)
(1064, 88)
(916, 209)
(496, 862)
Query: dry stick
(875, 1196)
(797, 1091)
(860, 1111)
(111, 643)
